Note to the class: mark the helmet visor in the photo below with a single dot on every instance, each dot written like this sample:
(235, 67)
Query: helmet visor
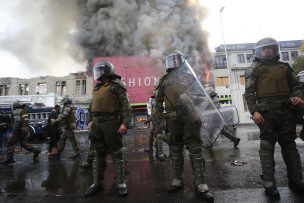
(174, 61)
(98, 72)
(266, 52)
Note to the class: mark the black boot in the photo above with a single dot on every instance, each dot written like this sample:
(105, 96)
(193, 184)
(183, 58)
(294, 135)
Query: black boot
(175, 188)
(272, 192)
(7, 161)
(296, 187)
(205, 196)
(236, 142)
(92, 190)
(36, 155)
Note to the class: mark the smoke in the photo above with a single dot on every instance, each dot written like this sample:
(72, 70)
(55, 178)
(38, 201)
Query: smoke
(53, 35)
(38, 32)
(140, 28)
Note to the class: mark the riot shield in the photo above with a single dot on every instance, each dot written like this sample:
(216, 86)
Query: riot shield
(200, 115)
(230, 115)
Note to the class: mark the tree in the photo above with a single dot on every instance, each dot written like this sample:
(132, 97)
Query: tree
(298, 64)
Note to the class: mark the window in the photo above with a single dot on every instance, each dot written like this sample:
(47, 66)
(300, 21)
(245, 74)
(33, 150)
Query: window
(23, 89)
(249, 58)
(60, 88)
(41, 88)
(240, 58)
(242, 79)
(4, 90)
(285, 56)
(294, 54)
(81, 86)
(222, 81)
(220, 62)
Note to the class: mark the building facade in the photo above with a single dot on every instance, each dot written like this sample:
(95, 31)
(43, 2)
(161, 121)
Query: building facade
(78, 86)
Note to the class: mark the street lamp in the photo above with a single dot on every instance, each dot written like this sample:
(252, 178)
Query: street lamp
(226, 53)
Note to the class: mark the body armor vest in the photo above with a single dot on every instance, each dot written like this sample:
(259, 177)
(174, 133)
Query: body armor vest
(272, 81)
(172, 93)
(104, 100)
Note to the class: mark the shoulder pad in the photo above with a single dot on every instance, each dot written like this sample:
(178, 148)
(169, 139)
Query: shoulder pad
(161, 80)
(288, 66)
(250, 70)
(120, 83)
(97, 86)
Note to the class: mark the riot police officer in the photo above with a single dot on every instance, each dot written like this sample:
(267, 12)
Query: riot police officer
(213, 95)
(181, 133)
(271, 93)
(67, 119)
(20, 125)
(111, 118)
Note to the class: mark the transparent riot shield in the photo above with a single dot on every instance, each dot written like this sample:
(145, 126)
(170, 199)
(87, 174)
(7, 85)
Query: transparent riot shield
(200, 115)
(230, 115)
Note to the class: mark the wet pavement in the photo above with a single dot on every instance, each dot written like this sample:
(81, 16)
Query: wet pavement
(233, 175)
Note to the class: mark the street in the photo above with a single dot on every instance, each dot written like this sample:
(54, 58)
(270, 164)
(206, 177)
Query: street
(233, 175)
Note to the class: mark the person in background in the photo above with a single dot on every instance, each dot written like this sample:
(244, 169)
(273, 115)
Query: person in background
(213, 95)
(67, 119)
(54, 131)
(20, 128)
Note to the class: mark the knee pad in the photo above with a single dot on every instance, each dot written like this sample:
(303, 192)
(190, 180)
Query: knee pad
(195, 150)
(266, 145)
(159, 136)
(176, 149)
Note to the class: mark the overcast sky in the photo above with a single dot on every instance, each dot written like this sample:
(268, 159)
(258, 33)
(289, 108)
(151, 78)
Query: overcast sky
(247, 21)
(243, 21)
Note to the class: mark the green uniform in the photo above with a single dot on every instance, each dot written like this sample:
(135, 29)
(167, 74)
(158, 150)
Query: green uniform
(67, 118)
(182, 131)
(110, 109)
(157, 132)
(269, 87)
(20, 127)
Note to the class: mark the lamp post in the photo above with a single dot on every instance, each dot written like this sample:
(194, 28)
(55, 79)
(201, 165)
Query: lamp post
(226, 53)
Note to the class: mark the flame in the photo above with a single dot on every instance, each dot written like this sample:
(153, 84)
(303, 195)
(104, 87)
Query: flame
(192, 2)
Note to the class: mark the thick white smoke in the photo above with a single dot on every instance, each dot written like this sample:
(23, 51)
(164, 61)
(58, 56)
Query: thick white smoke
(46, 33)
(38, 34)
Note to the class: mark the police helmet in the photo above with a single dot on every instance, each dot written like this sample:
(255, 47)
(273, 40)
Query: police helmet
(103, 68)
(17, 104)
(300, 77)
(66, 100)
(212, 93)
(174, 60)
(267, 49)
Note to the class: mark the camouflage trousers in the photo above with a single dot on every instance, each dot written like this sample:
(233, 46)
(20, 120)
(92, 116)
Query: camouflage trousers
(19, 136)
(67, 134)
(279, 126)
(106, 140)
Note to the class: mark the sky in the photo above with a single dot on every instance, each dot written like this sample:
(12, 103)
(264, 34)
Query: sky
(243, 21)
